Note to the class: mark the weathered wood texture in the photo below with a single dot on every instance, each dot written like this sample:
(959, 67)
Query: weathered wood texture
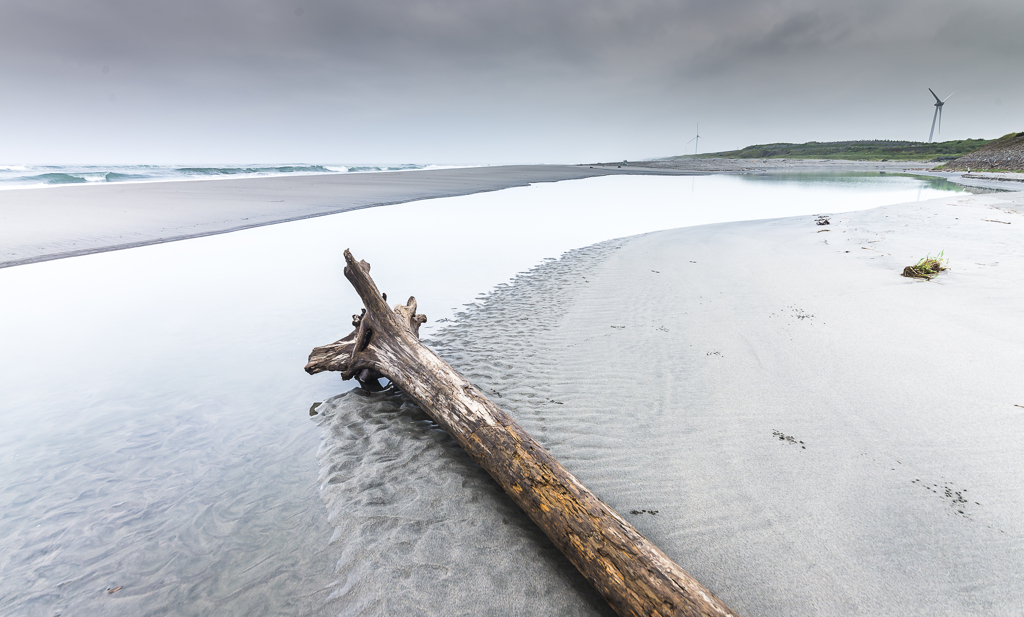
(632, 574)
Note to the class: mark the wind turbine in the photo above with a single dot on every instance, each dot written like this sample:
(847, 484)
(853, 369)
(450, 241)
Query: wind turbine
(697, 139)
(938, 113)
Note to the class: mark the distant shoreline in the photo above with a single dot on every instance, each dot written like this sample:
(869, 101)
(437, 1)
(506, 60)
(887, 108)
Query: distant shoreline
(43, 225)
(988, 181)
(61, 221)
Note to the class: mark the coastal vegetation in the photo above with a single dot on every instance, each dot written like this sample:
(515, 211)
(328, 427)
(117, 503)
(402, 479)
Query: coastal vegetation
(862, 150)
(1003, 154)
(927, 267)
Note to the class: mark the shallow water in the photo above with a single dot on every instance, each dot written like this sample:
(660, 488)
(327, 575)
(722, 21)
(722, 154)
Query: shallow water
(154, 433)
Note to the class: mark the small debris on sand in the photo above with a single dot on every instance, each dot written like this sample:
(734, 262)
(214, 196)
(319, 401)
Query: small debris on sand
(793, 440)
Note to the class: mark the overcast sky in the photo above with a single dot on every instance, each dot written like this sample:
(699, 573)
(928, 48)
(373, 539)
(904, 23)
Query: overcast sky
(480, 81)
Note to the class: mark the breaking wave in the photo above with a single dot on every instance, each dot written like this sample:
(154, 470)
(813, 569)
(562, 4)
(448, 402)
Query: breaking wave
(234, 171)
(58, 178)
(26, 176)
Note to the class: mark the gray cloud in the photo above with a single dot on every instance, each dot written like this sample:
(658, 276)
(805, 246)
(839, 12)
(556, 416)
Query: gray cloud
(485, 81)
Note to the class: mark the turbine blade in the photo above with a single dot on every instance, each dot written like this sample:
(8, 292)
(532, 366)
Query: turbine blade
(947, 98)
(935, 95)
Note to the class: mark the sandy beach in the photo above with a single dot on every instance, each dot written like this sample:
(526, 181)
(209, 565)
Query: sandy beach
(801, 428)
(843, 440)
(721, 348)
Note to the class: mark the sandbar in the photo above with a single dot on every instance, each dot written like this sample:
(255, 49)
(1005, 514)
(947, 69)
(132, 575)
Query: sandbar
(41, 224)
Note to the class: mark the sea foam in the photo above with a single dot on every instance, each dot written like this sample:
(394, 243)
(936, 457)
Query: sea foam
(29, 176)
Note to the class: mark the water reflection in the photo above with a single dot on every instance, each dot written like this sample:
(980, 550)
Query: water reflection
(866, 180)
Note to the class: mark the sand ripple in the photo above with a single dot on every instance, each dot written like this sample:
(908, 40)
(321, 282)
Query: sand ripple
(424, 529)
(740, 394)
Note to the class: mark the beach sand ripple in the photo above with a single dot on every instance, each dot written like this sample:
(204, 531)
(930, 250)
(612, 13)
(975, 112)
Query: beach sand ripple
(799, 427)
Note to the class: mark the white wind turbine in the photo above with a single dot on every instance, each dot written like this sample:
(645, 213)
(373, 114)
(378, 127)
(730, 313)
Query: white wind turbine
(938, 113)
(696, 139)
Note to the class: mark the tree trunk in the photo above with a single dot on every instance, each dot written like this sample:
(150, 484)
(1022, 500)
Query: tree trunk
(632, 574)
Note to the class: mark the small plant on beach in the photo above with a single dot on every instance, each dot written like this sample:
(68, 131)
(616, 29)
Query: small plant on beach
(927, 267)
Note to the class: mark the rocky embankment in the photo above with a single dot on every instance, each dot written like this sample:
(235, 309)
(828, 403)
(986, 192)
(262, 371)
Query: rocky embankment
(1005, 153)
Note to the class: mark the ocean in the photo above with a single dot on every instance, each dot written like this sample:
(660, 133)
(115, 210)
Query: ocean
(29, 176)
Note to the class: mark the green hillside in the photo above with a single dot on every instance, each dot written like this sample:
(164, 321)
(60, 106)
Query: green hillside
(868, 150)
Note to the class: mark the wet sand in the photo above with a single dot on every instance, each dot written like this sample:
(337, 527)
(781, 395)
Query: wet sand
(801, 428)
(52, 223)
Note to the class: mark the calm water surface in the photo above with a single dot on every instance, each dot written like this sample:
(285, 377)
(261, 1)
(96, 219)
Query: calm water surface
(155, 440)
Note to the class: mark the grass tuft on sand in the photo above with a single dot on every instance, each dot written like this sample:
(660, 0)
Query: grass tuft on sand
(927, 267)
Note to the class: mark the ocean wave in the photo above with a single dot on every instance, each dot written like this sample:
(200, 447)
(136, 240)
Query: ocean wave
(58, 178)
(232, 171)
(113, 176)
(38, 176)
(359, 168)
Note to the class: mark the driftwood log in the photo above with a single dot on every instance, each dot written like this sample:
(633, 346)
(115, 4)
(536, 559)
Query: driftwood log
(632, 574)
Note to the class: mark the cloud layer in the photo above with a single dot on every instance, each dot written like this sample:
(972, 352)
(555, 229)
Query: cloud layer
(481, 81)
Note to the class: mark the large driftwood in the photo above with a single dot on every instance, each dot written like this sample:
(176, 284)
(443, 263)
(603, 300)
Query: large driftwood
(632, 574)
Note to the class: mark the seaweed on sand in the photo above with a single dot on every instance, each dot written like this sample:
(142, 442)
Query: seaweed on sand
(927, 267)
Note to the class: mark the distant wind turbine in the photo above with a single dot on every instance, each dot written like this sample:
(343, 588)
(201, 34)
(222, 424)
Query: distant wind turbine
(697, 139)
(938, 113)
